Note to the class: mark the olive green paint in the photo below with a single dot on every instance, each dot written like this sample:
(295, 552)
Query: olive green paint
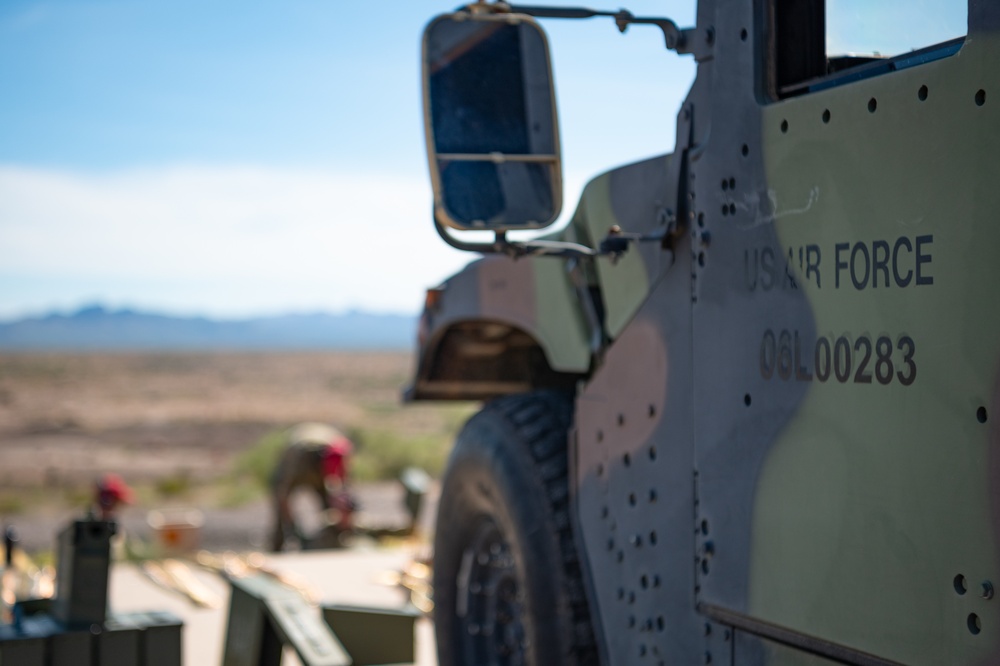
(562, 329)
(770, 653)
(625, 282)
(876, 496)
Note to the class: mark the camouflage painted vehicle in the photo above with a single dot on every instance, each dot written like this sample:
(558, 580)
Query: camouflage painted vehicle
(744, 408)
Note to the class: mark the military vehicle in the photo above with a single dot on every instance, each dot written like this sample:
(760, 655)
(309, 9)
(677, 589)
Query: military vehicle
(743, 408)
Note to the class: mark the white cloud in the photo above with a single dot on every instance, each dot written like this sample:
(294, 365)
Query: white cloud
(222, 240)
(229, 239)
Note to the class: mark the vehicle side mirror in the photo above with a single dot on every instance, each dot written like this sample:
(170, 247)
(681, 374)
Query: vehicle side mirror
(490, 120)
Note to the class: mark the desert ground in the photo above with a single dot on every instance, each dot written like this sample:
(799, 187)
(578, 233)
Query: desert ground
(201, 430)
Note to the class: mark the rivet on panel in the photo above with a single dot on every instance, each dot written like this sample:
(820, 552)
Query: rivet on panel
(986, 590)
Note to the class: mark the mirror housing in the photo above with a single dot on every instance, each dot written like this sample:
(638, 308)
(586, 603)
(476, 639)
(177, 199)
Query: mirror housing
(490, 122)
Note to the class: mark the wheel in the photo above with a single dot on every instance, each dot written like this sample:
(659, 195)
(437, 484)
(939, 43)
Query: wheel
(508, 587)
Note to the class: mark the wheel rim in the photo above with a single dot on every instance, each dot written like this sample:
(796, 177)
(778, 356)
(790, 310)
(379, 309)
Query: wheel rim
(490, 601)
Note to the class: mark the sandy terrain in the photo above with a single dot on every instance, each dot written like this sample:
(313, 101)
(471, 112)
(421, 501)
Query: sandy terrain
(64, 419)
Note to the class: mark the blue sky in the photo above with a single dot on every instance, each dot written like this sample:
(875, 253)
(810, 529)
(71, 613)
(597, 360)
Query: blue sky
(241, 158)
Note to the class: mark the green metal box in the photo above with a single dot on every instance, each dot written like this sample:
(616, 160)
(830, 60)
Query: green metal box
(374, 636)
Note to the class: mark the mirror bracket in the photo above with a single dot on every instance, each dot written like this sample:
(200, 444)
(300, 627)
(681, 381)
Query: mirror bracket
(613, 246)
(683, 41)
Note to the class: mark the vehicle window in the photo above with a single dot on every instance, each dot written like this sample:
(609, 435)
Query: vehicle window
(819, 44)
(891, 27)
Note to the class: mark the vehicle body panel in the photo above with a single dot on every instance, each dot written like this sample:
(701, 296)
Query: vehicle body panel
(788, 453)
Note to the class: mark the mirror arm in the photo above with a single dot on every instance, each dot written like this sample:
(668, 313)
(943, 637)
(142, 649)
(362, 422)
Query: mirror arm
(517, 249)
(538, 248)
(540, 11)
(617, 242)
(483, 248)
(674, 38)
(614, 245)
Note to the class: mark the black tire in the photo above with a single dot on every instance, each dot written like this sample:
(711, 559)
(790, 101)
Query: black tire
(508, 586)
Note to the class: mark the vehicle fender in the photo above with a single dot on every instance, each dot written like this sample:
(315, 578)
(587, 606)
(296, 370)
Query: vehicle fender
(500, 306)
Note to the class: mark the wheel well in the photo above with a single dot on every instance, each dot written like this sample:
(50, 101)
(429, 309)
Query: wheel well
(479, 359)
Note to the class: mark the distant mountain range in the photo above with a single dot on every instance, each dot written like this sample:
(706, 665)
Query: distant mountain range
(98, 328)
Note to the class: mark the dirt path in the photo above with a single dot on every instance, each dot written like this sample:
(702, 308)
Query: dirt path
(241, 528)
